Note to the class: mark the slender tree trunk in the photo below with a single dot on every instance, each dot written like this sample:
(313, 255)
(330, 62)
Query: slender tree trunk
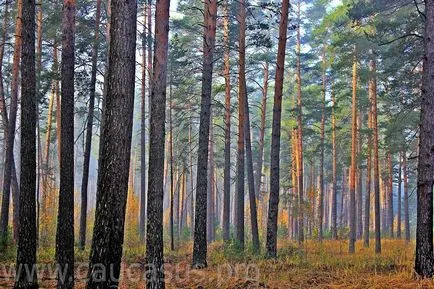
(211, 186)
(200, 244)
(334, 212)
(368, 177)
(89, 128)
(191, 172)
(321, 162)
(4, 218)
(424, 264)
(227, 166)
(239, 209)
(114, 156)
(299, 134)
(258, 177)
(172, 189)
(296, 210)
(154, 234)
(398, 229)
(390, 214)
(373, 97)
(352, 213)
(273, 210)
(406, 201)
(26, 251)
(359, 174)
(142, 217)
(250, 177)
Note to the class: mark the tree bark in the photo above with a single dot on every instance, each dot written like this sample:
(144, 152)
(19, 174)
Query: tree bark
(334, 212)
(142, 216)
(321, 162)
(406, 201)
(273, 210)
(89, 129)
(4, 218)
(359, 174)
(26, 251)
(373, 97)
(211, 186)
(227, 165)
(115, 148)
(368, 176)
(352, 212)
(250, 176)
(200, 243)
(299, 133)
(172, 188)
(65, 218)
(390, 215)
(239, 208)
(399, 209)
(424, 264)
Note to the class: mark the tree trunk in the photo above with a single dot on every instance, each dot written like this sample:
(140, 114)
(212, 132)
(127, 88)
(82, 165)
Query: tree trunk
(373, 97)
(65, 219)
(299, 134)
(321, 161)
(172, 188)
(142, 216)
(398, 229)
(258, 177)
(200, 245)
(26, 251)
(390, 217)
(352, 212)
(227, 166)
(114, 156)
(89, 128)
(250, 177)
(296, 209)
(424, 264)
(239, 209)
(4, 218)
(211, 186)
(406, 201)
(154, 234)
(334, 212)
(368, 176)
(273, 210)
(359, 175)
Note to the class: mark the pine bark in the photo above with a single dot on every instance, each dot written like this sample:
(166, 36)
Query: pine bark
(406, 201)
(390, 215)
(89, 130)
(26, 251)
(211, 186)
(200, 242)
(227, 165)
(334, 213)
(359, 175)
(424, 263)
(373, 98)
(142, 216)
(115, 148)
(271, 245)
(239, 208)
(321, 162)
(399, 209)
(352, 209)
(368, 177)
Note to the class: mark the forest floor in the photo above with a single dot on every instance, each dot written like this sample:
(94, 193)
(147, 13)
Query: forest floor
(326, 265)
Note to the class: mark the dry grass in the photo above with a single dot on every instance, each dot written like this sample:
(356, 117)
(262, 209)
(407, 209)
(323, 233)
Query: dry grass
(315, 265)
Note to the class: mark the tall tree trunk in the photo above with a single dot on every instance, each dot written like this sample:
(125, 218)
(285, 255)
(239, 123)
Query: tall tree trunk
(239, 209)
(89, 129)
(227, 166)
(299, 133)
(211, 186)
(373, 97)
(250, 176)
(114, 156)
(368, 176)
(191, 172)
(172, 188)
(296, 209)
(65, 218)
(334, 212)
(200, 245)
(359, 174)
(4, 218)
(142, 216)
(154, 234)
(321, 161)
(424, 264)
(273, 210)
(399, 209)
(390, 215)
(352, 212)
(258, 177)
(26, 251)
(406, 201)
